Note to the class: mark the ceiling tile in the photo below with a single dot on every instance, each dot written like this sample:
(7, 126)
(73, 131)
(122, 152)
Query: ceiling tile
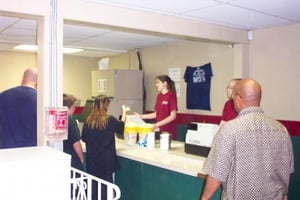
(289, 9)
(5, 22)
(235, 16)
(159, 6)
(243, 14)
(76, 33)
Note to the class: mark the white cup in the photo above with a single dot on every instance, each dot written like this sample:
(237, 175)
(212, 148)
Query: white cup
(165, 141)
(151, 139)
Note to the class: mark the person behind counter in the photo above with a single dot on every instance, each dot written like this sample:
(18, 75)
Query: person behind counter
(18, 113)
(99, 135)
(229, 112)
(165, 107)
(72, 145)
(251, 155)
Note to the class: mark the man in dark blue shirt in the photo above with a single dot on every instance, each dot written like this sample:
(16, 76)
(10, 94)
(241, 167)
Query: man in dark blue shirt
(18, 113)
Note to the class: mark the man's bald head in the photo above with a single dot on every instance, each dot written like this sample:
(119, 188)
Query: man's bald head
(30, 77)
(247, 94)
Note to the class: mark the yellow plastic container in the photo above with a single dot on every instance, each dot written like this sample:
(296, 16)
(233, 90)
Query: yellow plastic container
(130, 133)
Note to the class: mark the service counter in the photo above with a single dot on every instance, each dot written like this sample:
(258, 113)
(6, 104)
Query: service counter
(155, 174)
(175, 159)
(151, 173)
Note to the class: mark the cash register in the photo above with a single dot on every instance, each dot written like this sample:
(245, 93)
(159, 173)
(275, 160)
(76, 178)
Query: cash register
(199, 138)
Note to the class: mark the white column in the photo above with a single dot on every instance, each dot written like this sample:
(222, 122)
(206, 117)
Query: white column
(241, 60)
(50, 56)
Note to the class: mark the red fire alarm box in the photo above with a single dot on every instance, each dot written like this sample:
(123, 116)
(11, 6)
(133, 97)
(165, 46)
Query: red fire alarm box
(56, 122)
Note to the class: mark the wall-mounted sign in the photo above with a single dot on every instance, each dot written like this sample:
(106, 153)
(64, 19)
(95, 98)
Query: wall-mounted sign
(102, 85)
(56, 121)
(175, 74)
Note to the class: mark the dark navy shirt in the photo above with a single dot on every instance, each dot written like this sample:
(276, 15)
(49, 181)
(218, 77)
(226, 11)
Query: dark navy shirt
(18, 117)
(198, 87)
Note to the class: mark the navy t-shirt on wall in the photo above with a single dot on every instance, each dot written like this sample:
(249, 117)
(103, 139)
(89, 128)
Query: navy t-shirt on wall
(198, 86)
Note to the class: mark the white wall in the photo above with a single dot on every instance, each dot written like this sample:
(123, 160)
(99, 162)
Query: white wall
(158, 60)
(13, 65)
(77, 76)
(274, 61)
(76, 72)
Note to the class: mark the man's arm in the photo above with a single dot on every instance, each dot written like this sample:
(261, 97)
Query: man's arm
(211, 186)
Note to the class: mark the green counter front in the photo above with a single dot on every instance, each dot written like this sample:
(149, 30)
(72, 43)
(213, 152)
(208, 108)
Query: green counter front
(160, 175)
(139, 181)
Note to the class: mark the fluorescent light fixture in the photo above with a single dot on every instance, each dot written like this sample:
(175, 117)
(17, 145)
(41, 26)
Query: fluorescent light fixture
(72, 50)
(27, 47)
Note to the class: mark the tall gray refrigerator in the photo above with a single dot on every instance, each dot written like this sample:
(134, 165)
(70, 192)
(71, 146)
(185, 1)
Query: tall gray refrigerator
(125, 87)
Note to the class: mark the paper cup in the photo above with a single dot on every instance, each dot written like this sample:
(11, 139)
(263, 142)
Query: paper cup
(165, 139)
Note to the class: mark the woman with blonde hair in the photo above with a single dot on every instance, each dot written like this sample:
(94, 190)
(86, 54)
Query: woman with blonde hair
(229, 112)
(98, 133)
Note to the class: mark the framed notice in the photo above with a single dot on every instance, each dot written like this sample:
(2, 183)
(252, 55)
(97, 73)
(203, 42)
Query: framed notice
(175, 74)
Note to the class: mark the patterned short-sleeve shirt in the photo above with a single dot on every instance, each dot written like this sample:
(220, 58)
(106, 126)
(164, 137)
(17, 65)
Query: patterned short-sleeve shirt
(252, 156)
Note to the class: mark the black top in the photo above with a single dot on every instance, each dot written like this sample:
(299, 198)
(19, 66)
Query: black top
(101, 157)
(18, 117)
(73, 137)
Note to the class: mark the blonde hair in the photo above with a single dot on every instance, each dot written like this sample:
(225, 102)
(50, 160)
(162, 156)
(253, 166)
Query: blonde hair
(98, 117)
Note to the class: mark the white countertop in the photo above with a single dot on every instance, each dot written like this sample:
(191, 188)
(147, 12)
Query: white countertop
(32, 154)
(174, 159)
(32, 172)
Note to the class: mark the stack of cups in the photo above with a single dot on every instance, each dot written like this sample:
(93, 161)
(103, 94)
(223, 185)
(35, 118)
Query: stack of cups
(150, 139)
(165, 141)
(144, 129)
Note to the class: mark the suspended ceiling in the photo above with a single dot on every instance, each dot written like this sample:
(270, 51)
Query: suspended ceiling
(242, 14)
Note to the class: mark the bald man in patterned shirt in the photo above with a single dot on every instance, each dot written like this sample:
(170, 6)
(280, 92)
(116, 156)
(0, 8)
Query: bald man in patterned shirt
(251, 155)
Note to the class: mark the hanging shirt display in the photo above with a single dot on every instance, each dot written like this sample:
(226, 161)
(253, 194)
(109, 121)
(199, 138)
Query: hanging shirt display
(198, 86)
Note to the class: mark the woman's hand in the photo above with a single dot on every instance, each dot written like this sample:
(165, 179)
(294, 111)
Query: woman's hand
(137, 115)
(155, 126)
(125, 108)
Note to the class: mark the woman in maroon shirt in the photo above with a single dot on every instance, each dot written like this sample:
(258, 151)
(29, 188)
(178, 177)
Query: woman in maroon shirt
(229, 112)
(166, 106)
